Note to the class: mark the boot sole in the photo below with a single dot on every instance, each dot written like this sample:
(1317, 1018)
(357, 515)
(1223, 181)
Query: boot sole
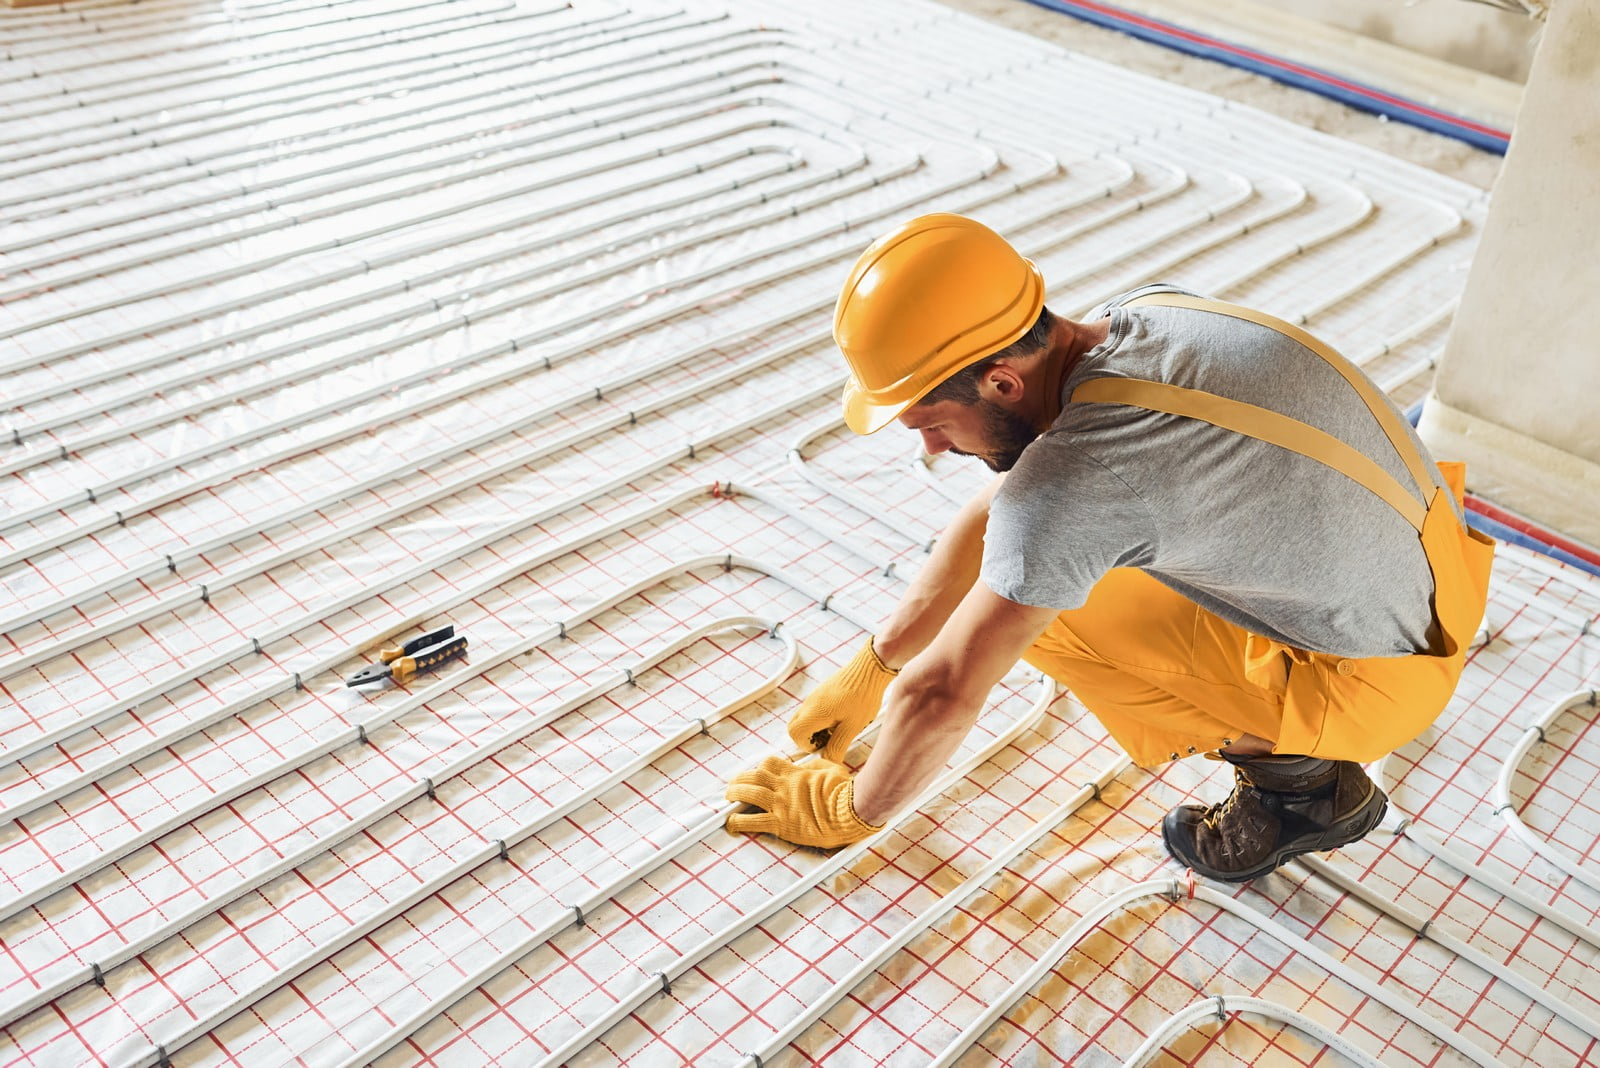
(1352, 828)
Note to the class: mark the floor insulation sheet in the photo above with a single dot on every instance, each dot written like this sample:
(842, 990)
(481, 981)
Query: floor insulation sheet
(325, 324)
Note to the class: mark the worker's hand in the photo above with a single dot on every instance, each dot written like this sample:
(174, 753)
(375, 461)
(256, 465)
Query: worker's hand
(838, 710)
(810, 804)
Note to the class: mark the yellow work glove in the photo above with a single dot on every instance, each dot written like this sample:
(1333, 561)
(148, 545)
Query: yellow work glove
(838, 710)
(810, 804)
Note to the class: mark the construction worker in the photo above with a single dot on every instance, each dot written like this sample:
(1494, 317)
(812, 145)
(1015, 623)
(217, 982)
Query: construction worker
(1212, 529)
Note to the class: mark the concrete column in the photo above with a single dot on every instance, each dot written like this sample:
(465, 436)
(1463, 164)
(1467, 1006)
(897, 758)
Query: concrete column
(1518, 390)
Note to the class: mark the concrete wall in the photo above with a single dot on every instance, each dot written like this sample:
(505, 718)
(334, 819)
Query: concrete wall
(1519, 382)
(1467, 34)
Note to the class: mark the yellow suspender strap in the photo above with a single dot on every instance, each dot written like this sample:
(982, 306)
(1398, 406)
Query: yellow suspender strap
(1260, 423)
(1386, 416)
(1267, 425)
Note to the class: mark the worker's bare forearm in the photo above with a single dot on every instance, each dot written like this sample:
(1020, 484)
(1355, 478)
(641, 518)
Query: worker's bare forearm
(924, 720)
(944, 580)
(936, 699)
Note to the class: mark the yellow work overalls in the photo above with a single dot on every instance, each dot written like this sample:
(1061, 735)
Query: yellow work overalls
(1169, 678)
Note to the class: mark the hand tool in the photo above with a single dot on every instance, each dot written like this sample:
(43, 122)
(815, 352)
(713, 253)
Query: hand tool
(419, 654)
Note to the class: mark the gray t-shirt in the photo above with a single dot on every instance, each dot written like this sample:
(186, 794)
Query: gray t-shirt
(1270, 540)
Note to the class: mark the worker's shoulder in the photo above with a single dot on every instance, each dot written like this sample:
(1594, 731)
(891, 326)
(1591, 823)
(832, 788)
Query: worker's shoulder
(1147, 290)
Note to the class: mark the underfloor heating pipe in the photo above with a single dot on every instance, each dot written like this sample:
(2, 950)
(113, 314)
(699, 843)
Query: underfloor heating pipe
(1428, 929)
(209, 166)
(1346, 91)
(819, 1005)
(19, 555)
(101, 970)
(1505, 807)
(496, 847)
(197, 166)
(1219, 1005)
(840, 861)
(425, 785)
(96, 65)
(1407, 827)
(1173, 890)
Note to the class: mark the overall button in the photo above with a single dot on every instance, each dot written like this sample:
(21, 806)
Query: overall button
(1345, 667)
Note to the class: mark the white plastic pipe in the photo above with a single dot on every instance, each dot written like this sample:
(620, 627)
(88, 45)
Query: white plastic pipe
(120, 517)
(1426, 928)
(372, 37)
(839, 862)
(1219, 1005)
(286, 190)
(495, 847)
(210, 165)
(100, 970)
(1506, 808)
(1172, 889)
(355, 593)
(820, 1005)
(410, 463)
(130, 112)
(403, 50)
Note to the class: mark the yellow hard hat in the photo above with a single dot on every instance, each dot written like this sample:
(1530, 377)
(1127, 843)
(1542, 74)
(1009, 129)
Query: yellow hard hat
(938, 293)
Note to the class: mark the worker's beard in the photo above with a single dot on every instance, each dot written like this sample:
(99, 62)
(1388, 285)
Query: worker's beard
(1005, 433)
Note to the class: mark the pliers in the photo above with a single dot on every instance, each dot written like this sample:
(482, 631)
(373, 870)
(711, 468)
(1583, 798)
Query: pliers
(419, 654)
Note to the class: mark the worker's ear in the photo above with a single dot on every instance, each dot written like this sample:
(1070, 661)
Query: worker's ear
(1001, 384)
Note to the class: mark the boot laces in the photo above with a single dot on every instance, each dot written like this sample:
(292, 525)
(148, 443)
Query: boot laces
(1219, 812)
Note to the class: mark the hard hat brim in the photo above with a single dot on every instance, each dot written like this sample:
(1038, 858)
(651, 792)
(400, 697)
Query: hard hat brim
(864, 416)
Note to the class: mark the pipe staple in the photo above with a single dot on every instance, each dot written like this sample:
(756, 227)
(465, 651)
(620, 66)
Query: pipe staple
(666, 983)
(703, 728)
(578, 917)
(505, 853)
(628, 672)
(1422, 932)
(205, 594)
(427, 786)
(255, 643)
(1222, 1009)
(99, 975)
(361, 734)
(299, 683)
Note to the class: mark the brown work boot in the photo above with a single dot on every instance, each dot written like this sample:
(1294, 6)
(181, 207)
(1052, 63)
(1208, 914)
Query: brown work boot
(1281, 806)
